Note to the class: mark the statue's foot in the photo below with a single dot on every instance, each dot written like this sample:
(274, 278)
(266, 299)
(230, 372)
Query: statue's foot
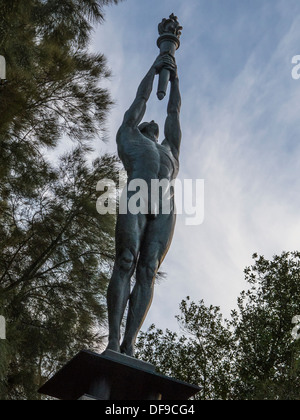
(114, 346)
(127, 350)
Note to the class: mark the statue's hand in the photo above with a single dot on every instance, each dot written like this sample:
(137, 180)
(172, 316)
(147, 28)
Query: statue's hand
(165, 61)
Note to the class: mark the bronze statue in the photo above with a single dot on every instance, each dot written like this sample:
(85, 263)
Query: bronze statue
(143, 240)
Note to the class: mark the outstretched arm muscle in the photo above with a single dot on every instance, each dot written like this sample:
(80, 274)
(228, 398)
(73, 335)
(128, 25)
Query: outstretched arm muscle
(172, 127)
(136, 112)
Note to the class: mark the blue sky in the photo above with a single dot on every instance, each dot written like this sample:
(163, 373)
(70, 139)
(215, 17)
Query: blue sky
(241, 130)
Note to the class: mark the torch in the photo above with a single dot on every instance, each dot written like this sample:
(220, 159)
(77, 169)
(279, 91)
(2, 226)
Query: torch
(168, 42)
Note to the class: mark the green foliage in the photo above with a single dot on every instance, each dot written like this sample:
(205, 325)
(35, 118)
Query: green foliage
(53, 80)
(252, 356)
(202, 356)
(55, 249)
(267, 357)
(55, 262)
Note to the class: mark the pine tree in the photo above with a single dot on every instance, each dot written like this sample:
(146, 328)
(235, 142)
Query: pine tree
(55, 249)
(55, 263)
(52, 86)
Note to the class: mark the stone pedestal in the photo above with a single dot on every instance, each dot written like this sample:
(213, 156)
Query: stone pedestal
(113, 376)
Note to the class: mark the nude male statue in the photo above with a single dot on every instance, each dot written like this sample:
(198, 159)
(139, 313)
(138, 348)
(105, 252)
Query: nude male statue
(143, 240)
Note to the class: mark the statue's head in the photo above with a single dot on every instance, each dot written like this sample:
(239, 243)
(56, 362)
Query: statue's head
(150, 130)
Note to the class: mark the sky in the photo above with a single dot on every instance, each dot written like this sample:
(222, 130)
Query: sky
(241, 129)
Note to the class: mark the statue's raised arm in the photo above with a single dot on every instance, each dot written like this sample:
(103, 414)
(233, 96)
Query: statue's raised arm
(172, 127)
(136, 112)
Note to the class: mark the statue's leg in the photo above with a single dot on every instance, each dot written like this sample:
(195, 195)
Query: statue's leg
(129, 231)
(156, 242)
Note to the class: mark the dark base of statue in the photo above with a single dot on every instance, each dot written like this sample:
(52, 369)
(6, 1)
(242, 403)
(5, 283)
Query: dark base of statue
(113, 376)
